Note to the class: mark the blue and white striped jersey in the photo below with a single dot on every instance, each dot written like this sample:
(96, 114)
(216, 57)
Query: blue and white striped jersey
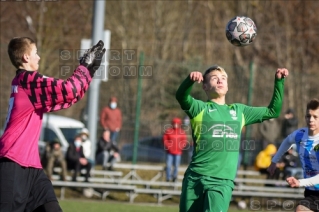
(308, 151)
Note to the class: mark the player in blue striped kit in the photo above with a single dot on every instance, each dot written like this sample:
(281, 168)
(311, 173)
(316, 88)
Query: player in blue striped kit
(307, 142)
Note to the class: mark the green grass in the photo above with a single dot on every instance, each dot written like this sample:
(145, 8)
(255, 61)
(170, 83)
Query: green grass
(110, 206)
(106, 206)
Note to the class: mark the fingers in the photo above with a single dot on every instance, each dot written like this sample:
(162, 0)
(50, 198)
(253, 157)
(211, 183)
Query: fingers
(97, 47)
(196, 76)
(293, 182)
(282, 72)
(97, 60)
(101, 53)
(100, 43)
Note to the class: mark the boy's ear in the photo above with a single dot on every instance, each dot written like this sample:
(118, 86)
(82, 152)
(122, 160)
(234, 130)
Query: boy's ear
(204, 87)
(25, 58)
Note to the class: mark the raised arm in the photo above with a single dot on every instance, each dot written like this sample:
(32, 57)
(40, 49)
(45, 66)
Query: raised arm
(259, 114)
(274, 108)
(308, 182)
(183, 92)
(50, 94)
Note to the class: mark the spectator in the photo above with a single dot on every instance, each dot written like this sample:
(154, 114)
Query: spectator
(290, 160)
(263, 161)
(269, 130)
(111, 119)
(76, 160)
(289, 124)
(86, 144)
(107, 152)
(55, 157)
(175, 140)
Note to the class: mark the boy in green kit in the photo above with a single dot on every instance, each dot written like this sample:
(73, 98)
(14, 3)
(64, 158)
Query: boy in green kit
(216, 128)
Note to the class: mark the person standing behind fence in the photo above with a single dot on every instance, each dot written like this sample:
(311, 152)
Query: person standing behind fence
(111, 119)
(175, 141)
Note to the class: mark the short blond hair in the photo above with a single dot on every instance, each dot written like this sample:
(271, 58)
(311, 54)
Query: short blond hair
(17, 48)
(214, 68)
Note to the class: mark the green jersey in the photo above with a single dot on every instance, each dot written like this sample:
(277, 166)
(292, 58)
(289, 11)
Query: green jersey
(216, 129)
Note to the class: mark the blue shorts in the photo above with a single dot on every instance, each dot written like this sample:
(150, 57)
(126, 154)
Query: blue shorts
(23, 189)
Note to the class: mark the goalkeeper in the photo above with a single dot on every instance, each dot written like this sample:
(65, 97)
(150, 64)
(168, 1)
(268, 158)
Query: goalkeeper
(24, 187)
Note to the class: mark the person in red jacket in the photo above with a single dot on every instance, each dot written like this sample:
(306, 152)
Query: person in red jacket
(111, 119)
(175, 140)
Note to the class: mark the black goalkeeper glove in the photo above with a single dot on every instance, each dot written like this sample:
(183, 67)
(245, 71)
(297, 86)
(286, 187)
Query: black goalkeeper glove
(92, 57)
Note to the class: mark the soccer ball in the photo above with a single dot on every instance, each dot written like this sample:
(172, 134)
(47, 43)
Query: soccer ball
(88, 192)
(242, 205)
(241, 31)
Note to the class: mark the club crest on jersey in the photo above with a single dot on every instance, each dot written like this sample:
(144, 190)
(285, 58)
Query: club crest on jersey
(233, 114)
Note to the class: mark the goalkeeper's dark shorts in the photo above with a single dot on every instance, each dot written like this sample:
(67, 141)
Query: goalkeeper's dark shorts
(311, 200)
(23, 189)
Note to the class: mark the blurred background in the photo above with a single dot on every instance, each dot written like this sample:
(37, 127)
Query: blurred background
(176, 37)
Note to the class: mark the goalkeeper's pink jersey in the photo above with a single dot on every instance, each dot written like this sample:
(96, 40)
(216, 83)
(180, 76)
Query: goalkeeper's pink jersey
(33, 94)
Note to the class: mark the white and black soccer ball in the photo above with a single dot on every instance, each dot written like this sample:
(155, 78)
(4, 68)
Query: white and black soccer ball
(241, 31)
(242, 205)
(88, 192)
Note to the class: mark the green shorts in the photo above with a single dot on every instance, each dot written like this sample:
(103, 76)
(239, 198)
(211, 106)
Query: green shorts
(202, 193)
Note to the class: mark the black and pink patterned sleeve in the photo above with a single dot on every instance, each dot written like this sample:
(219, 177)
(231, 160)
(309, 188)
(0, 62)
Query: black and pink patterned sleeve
(50, 94)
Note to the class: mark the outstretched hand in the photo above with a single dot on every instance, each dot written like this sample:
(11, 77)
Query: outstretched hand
(196, 76)
(92, 57)
(293, 182)
(282, 73)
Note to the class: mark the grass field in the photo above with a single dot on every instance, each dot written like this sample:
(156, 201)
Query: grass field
(107, 206)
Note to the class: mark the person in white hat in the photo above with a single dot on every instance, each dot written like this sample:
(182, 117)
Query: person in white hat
(86, 143)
